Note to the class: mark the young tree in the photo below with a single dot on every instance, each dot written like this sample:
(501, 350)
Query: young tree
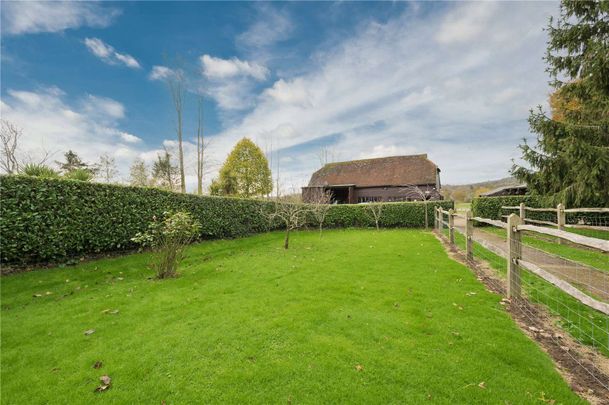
(139, 174)
(9, 136)
(291, 214)
(200, 147)
(416, 193)
(106, 168)
(376, 211)
(320, 202)
(245, 173)
(176, 82)
(570, 163)
(164, 173)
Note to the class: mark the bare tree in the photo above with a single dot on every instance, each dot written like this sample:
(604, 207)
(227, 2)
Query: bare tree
(326, 155)
(320, 203)
(9, 136)
(376, 210)
(176, 83)
(415, 192)
(139, 174)
(106, 168)
(12, 159)
(291, 214)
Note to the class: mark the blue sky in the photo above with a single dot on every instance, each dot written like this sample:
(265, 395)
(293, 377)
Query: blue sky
(454, 80)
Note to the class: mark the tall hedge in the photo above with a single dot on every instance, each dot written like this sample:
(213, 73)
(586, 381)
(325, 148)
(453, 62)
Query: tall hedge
(490, 207)
(53, 219)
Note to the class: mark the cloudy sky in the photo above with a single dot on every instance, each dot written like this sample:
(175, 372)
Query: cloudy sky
(454, 80)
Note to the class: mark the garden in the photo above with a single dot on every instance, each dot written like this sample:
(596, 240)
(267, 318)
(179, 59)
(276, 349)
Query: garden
(358, 314)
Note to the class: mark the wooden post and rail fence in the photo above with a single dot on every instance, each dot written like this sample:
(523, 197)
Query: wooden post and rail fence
(561, 216)
(515, 262)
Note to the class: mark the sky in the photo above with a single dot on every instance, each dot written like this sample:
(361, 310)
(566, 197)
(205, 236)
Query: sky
(455, 80)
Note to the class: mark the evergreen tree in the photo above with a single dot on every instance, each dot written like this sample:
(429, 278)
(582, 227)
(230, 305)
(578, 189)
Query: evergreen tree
(570, 162)
(72, 162)
(245, 173)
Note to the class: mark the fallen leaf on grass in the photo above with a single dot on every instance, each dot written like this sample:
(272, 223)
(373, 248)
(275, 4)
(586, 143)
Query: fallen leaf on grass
(37, 295)
(106, 382)
(110, 311)
(98, 364)
(482, 385)
(359, 367)
(89, 332)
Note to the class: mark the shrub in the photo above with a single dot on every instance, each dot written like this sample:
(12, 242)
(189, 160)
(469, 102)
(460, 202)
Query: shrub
(36, 170)
(45, 220)
(79, 175)
(168, 238)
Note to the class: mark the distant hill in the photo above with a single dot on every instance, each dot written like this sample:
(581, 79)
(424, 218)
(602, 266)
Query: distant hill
(465, 192)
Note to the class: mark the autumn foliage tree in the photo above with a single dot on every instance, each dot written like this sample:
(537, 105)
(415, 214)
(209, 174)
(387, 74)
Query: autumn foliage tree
(570, 163)
(245, 173)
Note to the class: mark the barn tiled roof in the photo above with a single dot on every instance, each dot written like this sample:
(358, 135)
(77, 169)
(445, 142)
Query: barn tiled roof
(387, 171)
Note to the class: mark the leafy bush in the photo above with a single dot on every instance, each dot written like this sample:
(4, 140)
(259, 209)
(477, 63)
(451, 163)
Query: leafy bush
(35, 170)
(79, 175)
(168, 238)
(53, 219)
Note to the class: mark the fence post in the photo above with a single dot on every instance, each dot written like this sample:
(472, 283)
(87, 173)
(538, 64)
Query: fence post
(522, 212)
(561, 217)
(469, 231)
(435, 217)
(440, 219)
(451, 226)
(514, 253)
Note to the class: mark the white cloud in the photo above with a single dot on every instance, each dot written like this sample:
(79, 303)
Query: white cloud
(271, 25)
(218, 68)
(231, 82)
(90, 127)
(27, 17)
(160, 73)
(103, 107)
(392, 89)
(466, 23)
(129, 138)
(109, 55)
(293, 92)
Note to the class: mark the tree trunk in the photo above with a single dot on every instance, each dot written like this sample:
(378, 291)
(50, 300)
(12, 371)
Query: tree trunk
(181, 153)
(286, 242)
(320, 229)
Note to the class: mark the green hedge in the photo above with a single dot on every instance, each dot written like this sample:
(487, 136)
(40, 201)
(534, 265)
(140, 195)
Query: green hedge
(54, 219)
(490, 207)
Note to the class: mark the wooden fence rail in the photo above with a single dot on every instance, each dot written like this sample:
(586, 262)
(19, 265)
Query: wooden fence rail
(514, 227)
(561, 216)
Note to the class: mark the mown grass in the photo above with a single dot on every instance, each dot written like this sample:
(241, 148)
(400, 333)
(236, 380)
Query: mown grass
(355, 317)
(585, 324)
(590, 257)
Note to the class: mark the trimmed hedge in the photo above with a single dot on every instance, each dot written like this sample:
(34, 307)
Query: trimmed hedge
(54, 219)
(490, 207)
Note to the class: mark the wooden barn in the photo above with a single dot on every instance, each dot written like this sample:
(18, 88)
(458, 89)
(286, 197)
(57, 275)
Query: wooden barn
(395, 178)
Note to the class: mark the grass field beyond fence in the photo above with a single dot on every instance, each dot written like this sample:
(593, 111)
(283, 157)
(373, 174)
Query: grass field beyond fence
(358, 316)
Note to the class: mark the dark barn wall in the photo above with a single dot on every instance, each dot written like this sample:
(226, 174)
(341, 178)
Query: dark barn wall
(394, 193)
(354, 195)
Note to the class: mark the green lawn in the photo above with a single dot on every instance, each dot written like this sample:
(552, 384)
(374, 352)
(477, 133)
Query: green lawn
(358, 316)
